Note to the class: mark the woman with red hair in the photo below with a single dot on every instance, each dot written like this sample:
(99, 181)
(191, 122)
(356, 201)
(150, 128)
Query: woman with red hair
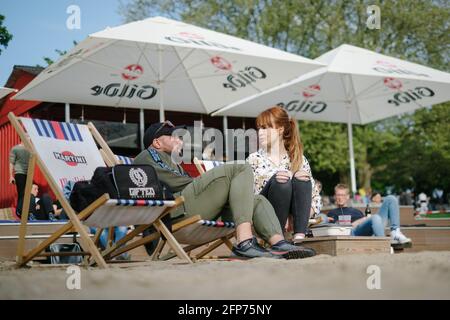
(282, 173)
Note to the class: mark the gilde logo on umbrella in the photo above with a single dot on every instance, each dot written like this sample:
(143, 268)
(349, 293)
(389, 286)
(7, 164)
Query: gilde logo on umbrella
(193, 38)
(296, 106)
(242, 78)
(130, 73)
(388, 67)
(411, 95)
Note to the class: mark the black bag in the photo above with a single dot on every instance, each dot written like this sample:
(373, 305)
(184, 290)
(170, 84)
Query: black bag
(65, 247)
(137, 182)
(104, 182)
(83, 194)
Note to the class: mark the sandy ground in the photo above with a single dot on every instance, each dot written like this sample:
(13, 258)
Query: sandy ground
(424, 275)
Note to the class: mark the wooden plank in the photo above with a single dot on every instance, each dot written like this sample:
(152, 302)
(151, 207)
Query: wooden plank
(110, 237)
(158, 250)
(428, 238)
(185, 222)
(8, 244)
(344, 245)
(33, 228)
(135, 244)
(6, 214)
(103, 145)
(214, 245)
(105, 158)
(198, 165)
(172, 241)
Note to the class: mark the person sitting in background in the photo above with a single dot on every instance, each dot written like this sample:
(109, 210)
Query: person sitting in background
(423, 203)
(41, 208)
(365, 226)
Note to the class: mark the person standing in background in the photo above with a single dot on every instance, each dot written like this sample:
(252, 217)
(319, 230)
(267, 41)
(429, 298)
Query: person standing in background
(18, 167)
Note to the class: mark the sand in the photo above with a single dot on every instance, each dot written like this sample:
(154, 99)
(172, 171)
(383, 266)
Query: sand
(424, 275)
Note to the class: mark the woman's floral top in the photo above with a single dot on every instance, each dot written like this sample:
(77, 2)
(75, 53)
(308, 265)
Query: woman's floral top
(264, 169)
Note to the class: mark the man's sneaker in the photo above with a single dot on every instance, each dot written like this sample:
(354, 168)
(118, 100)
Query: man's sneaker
(397, 237)
(251, 249)
(290, 251)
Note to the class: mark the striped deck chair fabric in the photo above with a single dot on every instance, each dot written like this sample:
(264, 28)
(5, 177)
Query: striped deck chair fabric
(124, 159)
(205, 231)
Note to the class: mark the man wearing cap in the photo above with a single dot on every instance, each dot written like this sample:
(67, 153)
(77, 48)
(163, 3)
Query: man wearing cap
(225, 191)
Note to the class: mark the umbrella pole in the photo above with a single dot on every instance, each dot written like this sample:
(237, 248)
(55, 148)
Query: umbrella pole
(141, 127)
(225, 130)
(67, 112)
(161, 88)
(351, 152)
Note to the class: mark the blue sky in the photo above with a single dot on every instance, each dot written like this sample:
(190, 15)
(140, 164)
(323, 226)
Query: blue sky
(39, 27)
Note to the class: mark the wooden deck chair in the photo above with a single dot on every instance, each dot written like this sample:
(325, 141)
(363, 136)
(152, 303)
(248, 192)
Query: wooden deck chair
(66, 151)
(194, 232)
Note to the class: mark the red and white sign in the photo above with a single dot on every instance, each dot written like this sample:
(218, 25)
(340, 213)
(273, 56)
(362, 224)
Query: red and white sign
(311, 91)
(393, 83)
(132, 72)
(221, 63)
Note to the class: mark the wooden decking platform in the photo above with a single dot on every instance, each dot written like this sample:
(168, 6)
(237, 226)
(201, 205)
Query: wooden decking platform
(346, 245)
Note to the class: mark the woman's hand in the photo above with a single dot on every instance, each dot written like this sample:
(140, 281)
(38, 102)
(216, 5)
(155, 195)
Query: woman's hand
(303, 175)
(289, 224)
(283, 176)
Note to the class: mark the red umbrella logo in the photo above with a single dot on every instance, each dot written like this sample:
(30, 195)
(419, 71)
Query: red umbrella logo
(132, 72)
(221, 63)
(393, 83)
(311, 91)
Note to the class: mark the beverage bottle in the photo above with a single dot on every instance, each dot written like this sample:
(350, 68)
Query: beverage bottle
(368, 212)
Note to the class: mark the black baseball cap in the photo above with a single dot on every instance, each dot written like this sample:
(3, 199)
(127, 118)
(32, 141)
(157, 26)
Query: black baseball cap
(159, 129)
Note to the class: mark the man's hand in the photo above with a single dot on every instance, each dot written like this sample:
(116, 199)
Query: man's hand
(289, 227)
(12, 180)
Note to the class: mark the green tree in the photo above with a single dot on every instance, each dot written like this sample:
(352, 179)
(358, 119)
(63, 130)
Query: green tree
(60, 53)
(5, 36)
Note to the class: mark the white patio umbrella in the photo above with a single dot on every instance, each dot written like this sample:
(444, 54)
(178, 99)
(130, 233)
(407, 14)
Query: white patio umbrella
(159, 63)
(5, 91)
(358, 86)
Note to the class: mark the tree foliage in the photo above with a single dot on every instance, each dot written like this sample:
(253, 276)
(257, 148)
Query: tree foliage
(5, 36)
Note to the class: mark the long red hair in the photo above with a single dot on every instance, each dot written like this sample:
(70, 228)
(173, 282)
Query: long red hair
(277, 117)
